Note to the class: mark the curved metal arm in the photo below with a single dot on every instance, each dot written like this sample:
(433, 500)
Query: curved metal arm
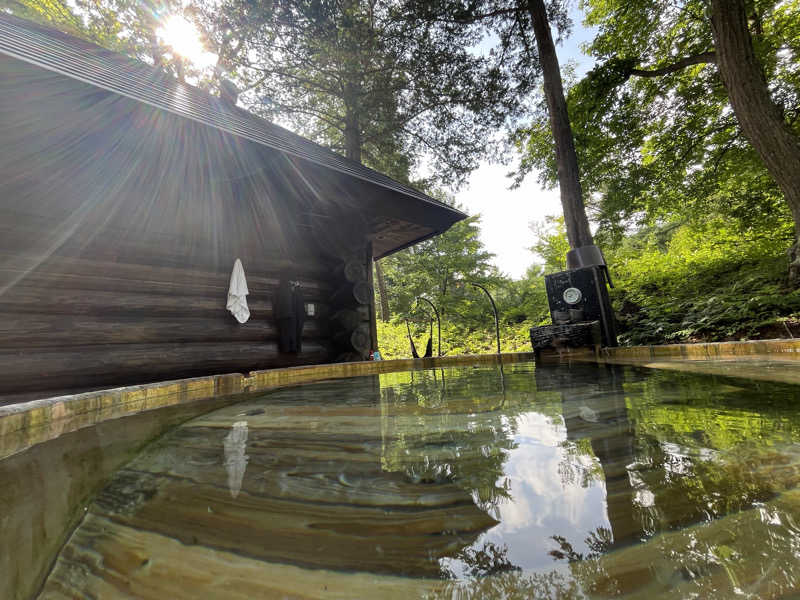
(494, 310)
(414, 353)
(438, 320)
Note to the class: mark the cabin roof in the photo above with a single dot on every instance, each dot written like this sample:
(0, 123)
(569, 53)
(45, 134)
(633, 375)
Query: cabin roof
(87, 62)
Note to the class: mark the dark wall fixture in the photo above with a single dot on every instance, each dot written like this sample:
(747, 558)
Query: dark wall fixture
(579, 305)
(290, 314)
(580, 295)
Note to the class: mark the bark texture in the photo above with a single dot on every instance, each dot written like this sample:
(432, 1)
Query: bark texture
(577, 224)
(759, 117)
(352, 136)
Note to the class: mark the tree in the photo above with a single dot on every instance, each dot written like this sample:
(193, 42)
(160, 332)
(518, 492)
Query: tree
(359, 77)
(526, 299)
(125, 26)
(512, 23)
(368, 82)
(434, 267)
(56, 13)
(656, 136)
(761, 120)
(551, 243)
(577, 224)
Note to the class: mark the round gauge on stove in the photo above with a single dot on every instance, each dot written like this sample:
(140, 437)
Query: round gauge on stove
(572, 295)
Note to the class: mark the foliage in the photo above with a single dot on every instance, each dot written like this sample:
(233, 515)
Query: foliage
(701, 280)
(692, 224)
(524, 300)
(439, 269)
(126, 26)
(707, 281)
(684, 281)
(368, 79)
(507, 25)
(651, 147)
(524, 49)
(456, 338)
(436, 269)
(56, 13)
(365, 79)
(551, 243)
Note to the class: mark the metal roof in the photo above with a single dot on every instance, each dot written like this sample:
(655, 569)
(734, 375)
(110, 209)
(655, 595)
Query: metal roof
(78, 59)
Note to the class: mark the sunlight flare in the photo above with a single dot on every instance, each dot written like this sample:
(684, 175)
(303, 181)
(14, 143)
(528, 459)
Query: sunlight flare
(184, 39)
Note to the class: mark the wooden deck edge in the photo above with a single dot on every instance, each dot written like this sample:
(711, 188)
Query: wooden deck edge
(779, 349)
(709, 358)
(26, 424)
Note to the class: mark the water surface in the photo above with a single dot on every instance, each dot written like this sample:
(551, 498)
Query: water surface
(557, 482)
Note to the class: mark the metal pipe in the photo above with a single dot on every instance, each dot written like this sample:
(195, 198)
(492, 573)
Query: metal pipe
(494, 310)
(438, 320)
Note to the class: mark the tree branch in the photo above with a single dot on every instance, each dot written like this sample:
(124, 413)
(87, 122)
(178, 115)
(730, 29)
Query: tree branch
(697, 59)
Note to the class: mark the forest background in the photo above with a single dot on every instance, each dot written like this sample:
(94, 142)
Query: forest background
(694, 229)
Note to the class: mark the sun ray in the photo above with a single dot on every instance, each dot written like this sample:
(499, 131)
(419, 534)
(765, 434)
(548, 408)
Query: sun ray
(182, 36)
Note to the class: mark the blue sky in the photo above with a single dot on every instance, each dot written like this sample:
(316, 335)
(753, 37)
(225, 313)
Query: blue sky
(506, 214)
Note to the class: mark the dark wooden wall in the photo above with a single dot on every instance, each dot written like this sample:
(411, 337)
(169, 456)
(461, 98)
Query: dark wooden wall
(119, 227)
(66, 326)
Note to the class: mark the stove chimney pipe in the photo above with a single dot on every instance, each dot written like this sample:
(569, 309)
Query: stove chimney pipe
(228, 92)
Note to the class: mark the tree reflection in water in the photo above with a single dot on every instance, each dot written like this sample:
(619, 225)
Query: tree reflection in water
(492, 575)
(457, 431)
(700, 477)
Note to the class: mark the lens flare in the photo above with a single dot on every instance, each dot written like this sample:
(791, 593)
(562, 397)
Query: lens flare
(184, 39)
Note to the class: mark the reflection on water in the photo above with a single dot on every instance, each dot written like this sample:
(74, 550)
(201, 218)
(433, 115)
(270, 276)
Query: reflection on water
(235, 457)
(562, 482)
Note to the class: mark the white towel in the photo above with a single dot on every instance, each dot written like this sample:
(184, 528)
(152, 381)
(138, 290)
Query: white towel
(237, 294)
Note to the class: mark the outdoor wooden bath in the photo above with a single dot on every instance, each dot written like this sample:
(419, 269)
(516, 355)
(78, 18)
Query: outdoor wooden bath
(47, 506)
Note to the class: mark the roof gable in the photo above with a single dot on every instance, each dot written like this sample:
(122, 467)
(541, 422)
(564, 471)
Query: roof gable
(92, 64)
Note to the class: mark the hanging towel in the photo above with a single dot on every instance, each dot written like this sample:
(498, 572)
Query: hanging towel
(237, 294)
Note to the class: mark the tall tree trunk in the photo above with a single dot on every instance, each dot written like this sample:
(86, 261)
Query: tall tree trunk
(352, 141)
(577, 225)
(352, 137)
(384, 299)
(759, 117)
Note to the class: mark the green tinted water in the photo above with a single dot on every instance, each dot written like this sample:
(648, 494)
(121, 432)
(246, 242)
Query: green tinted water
(555, 482)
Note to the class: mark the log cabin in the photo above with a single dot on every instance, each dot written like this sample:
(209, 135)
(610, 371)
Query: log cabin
(125, 198)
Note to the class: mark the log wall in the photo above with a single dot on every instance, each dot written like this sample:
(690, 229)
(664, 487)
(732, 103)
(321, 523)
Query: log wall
(119, 227)
(63, 328)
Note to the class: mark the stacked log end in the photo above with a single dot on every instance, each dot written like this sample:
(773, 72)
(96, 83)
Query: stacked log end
(350, 321)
